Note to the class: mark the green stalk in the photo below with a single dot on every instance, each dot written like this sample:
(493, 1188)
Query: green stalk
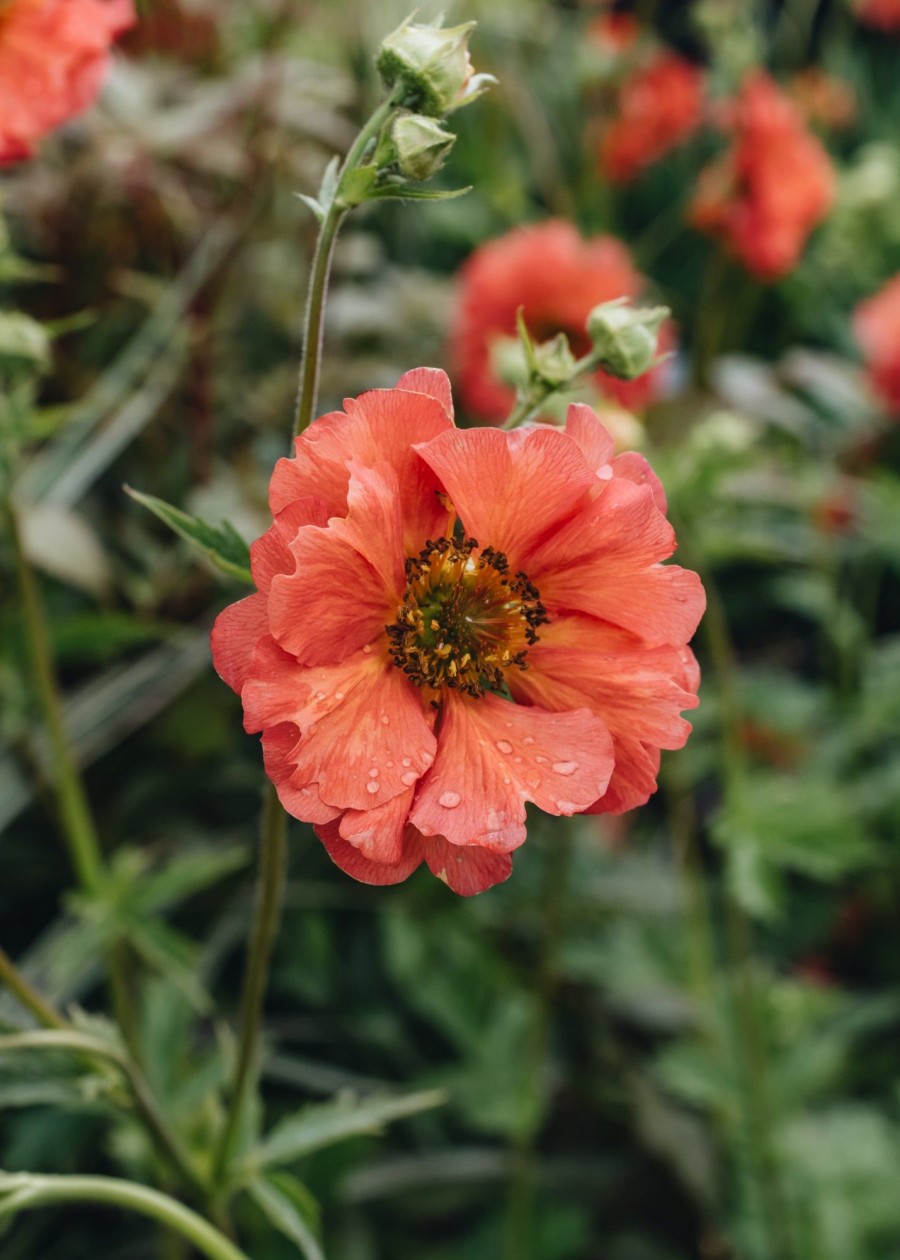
(317, 292)
(532, 400)
(78, 824)
(21, 1192)
(12, 978)
(267, 912)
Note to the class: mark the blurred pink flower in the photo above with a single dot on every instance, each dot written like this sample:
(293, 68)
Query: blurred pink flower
(557, 278)
(774, 185)
(53, 55)
(658, 107)
(876, 326)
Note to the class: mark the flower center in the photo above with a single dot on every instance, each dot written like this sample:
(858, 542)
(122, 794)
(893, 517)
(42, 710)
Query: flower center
(464, 618)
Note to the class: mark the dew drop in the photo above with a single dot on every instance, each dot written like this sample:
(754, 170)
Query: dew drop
(407, 761)
(385, 720)
(372, 786)
(564, 767)
(389, 764)
(564, 807)
(339, 695)
(449, 800)
(528, 741)
(373, 774)
(541, 759)
(368, 648)
(517, 760)
(504, 745)
(409, 777)
(320, 695)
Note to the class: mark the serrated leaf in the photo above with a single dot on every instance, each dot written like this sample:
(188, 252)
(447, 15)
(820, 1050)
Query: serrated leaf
(316, 1127)
(277, 1196)
(223, 545)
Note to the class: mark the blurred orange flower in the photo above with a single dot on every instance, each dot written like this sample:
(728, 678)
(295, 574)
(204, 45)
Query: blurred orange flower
(557, 278)
(766, 194)
(876, 326)
(884, 15)
(658, 107)
(53, 54)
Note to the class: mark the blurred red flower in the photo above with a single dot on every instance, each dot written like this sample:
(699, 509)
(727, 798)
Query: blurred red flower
(53, 54)
(876, 326)
(557, 278)
(658, 107)
(766, 194)
(884, 15)
(450, 623)
(824, 98)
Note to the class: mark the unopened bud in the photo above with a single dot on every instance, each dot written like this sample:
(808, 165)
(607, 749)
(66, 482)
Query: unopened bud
(431, 65)
(624, 338)
(554, 361)
(421, 145)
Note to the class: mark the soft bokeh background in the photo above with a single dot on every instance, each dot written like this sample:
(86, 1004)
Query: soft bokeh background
(671, 1034)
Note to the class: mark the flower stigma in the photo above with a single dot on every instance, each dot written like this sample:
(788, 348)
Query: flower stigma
(464, 619)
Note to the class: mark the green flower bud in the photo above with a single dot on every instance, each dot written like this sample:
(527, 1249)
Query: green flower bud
(431, 65)
(421, 145)
(554, 361)
(624, 339)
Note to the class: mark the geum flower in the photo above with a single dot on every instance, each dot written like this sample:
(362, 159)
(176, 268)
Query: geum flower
(763, 197)
(556, 278)
(658, 107)
(876, 327)
(450, 623)
(53, 55)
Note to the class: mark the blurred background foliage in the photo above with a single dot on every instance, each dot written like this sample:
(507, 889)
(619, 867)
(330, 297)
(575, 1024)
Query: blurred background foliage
(671, 1034)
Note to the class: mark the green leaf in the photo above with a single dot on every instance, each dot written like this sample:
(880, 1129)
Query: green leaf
(223, 546)
(23, 338)
(316, 1127)
(288, 1206)
(405, 193)
(317, 208)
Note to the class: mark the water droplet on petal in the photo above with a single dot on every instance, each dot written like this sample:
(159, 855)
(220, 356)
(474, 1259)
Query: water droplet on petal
(407, 761)
(385, 720)
(541, 759)
(320, 695)
(373, 774)
(372, 786)
(504, 745)
(566, 807)
(449, 800)
(564, 767)
(517, 760)
(389, 764)
(409, 778)
(528, 741)
(368, 648)
(339, 695)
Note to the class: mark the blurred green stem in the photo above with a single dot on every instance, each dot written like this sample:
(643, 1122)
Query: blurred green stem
(21, 1192)
(520, 1241)
(12, 978)
(313, 322)
(267, 912)
(78, 824)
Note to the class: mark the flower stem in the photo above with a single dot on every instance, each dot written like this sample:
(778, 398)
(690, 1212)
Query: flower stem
(538, 391)
(313, 324)
(24, 1191)
(267, 912)
(78, 824)
(12, 978)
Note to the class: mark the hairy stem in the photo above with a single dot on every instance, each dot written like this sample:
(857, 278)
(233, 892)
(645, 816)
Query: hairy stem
(335, 213)
(21, 1192)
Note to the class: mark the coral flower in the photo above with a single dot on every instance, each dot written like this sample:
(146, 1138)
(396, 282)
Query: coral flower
(876, 326)
(765, 196)
(557, 279)
(658, 107)
(53, 55)
(450, 623)
(883, 15)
